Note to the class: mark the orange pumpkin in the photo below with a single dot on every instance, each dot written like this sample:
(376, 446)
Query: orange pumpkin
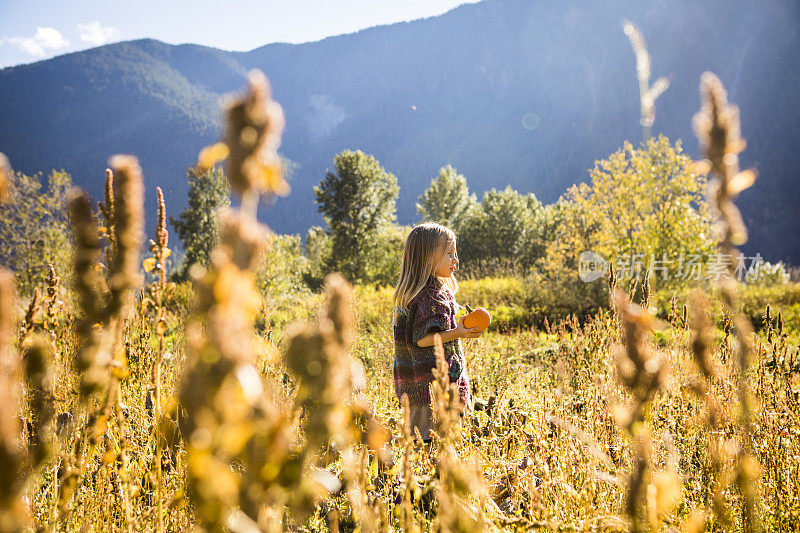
(478, 318)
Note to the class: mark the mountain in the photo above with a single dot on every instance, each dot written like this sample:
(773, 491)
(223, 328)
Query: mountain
(511, 92)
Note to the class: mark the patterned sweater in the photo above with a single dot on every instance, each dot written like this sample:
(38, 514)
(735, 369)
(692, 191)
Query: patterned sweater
(432, 310)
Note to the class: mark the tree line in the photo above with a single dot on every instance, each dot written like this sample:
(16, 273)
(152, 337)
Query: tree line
(646, 200)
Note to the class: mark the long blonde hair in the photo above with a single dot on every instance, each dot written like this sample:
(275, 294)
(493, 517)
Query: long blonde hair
(422, 245)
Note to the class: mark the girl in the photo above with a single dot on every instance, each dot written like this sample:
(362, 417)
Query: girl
(424, 304)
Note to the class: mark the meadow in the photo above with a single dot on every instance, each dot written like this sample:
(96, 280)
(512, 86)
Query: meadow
(132, 403)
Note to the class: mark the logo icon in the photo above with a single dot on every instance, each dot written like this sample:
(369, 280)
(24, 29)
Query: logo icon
(591, 266)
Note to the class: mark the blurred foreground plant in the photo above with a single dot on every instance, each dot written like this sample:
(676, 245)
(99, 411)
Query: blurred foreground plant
(718, 130)
(101, 359)
(244, 459)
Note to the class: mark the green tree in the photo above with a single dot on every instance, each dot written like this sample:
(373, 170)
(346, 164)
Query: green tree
(447, 200)
(197, 224)
(318, 251)
(386, 259)
(34, 228)
(502, 229)
(280, 278)
(357, 201)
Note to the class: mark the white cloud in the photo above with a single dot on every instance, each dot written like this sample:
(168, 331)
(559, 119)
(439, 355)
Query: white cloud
(50, 38)
(26, 45)
(45, 39)
(95, 34)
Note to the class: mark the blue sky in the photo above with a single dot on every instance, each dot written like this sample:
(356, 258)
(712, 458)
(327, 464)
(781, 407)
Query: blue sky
(32, 30)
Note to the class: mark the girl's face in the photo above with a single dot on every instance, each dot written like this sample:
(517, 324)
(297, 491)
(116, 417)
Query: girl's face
(446, 261)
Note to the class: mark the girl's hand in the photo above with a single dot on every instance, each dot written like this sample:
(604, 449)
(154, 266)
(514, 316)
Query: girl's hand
(469, 333)
(450, 335)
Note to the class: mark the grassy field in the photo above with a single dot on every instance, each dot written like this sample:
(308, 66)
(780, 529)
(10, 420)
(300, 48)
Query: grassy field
(546, 447)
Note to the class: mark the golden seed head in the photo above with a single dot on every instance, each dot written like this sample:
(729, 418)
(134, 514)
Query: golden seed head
(128, 227)
(339, 309)
(254, 124)
(38, 376)
(109, 195)
(162, 235)
(242, 239)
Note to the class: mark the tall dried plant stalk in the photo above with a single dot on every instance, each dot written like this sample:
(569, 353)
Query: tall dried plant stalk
(317, 356)
(647, 93)
(229, 415)
(702, 344)
(92, 294)
(642, 373)
(457, 481)
(37, 358)
(160, 252)
(128, 231)
(231, 419)
(105, 305)
(30, 316)
(52, 304)
(101, 359)
(106, 209)
(717, 128)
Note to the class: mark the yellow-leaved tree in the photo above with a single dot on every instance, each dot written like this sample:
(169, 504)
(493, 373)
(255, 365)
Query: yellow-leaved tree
(644, 208)
(647, 201)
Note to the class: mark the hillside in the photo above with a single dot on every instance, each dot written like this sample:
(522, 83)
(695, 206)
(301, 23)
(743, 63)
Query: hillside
(511, 92)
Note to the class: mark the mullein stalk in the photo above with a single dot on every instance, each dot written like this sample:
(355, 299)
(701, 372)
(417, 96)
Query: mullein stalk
(702, 345)
(229, 417)
(37, 358)
(123, 279)
(52, 302)
(106, 209)
(160, 252)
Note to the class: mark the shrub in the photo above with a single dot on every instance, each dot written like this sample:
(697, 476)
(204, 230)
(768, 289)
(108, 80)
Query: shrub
(280, 277)
(34, 228)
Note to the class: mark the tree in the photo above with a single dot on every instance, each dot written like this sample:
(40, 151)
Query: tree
(646, 201)
(318, 251)
(447, 200)
(197, 224)
(502, 229)
(357, 201)
(644, 207)
(280, 277)
(34, 228)
(567, 233)
(386, 259)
